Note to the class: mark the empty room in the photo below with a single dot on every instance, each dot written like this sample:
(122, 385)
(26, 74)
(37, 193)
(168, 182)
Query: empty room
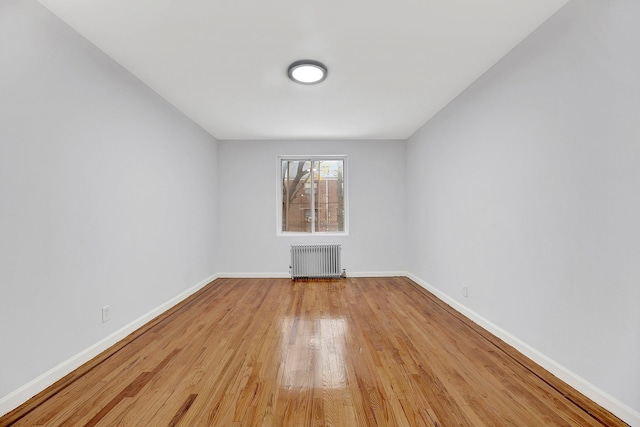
(409, 213)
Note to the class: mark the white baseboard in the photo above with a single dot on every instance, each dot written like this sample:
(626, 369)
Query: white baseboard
(27, 391)
(377, 274)
(253, 275)
(621, 410)
(286, 275)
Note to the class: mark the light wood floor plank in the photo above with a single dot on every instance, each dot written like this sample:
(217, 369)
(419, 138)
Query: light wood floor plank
(350, 352)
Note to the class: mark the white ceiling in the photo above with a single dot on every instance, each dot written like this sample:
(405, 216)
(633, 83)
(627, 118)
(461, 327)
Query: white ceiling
(392, 64)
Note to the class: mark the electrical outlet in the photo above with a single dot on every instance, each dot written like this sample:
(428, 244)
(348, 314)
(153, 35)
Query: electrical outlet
(465, 291)
(106, 313)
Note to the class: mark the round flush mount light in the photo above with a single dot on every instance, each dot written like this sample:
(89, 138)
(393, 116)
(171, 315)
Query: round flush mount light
(307, 72)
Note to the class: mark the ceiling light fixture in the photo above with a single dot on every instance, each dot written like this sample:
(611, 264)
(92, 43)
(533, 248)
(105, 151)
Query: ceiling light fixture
(307, 72)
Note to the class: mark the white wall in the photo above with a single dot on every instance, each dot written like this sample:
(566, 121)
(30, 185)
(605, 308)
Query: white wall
(527, 189)
(107, 196)
(247, 206)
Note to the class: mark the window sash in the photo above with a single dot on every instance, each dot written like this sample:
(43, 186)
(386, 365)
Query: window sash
(328, 216)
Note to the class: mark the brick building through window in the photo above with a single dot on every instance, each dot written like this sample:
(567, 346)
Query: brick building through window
(312, 195)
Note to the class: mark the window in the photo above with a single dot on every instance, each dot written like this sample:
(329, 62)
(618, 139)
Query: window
(311, 195)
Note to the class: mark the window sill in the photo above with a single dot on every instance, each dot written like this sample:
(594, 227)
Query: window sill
(316, 234)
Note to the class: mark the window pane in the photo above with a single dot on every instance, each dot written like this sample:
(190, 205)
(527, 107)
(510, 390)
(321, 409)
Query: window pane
(328, 181)
(312, 192)
(296, 196)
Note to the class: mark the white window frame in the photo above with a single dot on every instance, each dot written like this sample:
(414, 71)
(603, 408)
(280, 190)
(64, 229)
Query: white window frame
(345, 175)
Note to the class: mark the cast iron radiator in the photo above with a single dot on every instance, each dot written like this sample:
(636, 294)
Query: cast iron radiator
(315, 261)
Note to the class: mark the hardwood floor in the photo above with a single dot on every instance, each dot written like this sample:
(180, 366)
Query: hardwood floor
(272, 352)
